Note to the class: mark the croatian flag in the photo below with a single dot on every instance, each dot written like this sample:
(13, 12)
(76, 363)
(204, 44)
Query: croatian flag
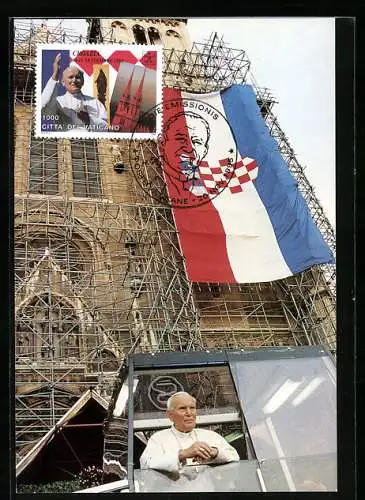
(239, 214)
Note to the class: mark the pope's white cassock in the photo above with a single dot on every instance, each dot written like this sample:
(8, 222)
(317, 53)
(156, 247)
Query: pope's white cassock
(68, 106)
(163, 448)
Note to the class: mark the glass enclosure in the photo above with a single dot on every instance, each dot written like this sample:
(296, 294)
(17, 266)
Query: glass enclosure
(237, 476)
(217, 405)
(289, 405)
(212, 387)
(309, 473)
(276, 406)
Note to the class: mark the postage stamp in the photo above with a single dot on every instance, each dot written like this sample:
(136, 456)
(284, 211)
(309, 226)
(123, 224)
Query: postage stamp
(196, 159)
(98, 91)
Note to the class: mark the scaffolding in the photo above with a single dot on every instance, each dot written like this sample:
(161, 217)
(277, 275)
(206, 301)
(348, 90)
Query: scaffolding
(98, 268)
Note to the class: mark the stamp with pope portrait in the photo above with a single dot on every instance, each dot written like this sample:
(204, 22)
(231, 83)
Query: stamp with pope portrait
(97, 91)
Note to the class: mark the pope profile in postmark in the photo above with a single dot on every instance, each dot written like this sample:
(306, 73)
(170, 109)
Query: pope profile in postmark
(196, 153)
(183, 145)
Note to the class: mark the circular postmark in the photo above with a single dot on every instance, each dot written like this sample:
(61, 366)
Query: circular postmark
(194, 158)
(161, 388)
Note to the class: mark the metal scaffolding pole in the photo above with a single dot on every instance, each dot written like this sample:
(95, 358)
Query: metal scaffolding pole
(98, 269)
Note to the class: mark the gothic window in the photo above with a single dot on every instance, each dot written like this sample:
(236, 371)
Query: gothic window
(47, 329)
(172, 33)
(119, 31)
(174, 40)
(154, 36)
(43, 168)
(85, 169)
(118, 24)
(64, 253)
(139, 34)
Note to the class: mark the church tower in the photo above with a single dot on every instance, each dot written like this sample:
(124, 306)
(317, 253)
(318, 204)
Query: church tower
(169, 33)
(128, 110)
(98, 268)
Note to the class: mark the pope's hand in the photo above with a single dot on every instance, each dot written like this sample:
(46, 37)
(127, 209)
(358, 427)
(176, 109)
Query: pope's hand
(56, 67)
(213, 454)
(199, 451)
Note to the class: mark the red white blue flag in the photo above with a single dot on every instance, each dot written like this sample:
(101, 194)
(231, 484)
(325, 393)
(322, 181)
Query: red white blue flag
(238, 211)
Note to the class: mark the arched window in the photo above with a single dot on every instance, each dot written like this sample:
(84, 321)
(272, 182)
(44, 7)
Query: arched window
(154, 36)
(173, 33)
(85, 169)
(43, 166)
(65, 253)
(119, 31)
(118, 24)
(174, 40)
(139, 34)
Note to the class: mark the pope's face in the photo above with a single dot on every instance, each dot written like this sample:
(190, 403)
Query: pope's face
(183, 413)
(185, 146)
(73, 80)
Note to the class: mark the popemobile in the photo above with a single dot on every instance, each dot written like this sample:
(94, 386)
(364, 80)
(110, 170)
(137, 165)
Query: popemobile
(274, 408)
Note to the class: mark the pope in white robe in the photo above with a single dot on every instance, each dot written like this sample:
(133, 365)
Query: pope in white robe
(183, 444)
(73, 109)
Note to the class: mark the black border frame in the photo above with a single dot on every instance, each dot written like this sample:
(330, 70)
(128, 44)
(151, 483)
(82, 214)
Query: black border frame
(345, 124)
